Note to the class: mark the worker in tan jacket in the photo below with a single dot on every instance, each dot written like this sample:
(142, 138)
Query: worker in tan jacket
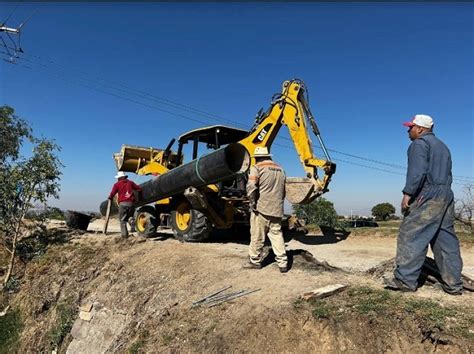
(266, 192)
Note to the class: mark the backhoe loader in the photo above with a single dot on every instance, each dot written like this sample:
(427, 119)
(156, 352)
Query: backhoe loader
(209, 192)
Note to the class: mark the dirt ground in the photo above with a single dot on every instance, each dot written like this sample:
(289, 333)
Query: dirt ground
(142, 292)
(356, 254)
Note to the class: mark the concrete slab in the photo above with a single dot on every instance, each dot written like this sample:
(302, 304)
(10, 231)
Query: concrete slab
(96, 336)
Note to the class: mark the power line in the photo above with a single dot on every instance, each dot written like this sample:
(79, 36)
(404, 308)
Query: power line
(365, 166)
(113, 94)
(126, 89)
(160, 100)
(176, 105)
(352, 163)
(60, 75)
(11, 13)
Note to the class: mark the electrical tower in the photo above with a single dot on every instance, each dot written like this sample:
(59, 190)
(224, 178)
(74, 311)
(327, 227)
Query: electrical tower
(13, 35)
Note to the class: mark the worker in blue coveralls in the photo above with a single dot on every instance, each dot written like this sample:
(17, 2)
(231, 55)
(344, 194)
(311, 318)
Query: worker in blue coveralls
(428, 208)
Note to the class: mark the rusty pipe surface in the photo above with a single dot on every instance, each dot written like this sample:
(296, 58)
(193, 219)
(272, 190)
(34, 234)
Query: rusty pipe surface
(217, 166)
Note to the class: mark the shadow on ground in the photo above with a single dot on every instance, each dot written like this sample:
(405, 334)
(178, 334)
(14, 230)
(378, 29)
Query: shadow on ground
(299, 259)
(329, 235)
(241, 235)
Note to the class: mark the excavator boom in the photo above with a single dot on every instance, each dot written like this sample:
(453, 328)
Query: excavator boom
(291, 108)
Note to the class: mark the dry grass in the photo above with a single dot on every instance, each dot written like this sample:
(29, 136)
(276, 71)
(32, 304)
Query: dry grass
(380, 306)
(390, 229)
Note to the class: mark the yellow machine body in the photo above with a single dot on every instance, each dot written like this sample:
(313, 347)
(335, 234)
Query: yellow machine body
(289, 108)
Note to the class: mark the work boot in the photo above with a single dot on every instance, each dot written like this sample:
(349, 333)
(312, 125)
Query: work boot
(395, 284)
(123, 230)
(131, 222)
(283, 269)
(441, 286)
(250, 265)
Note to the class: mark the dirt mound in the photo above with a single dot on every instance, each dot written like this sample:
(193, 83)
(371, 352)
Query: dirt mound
(141, 296)
(429, 273)
(302, 259)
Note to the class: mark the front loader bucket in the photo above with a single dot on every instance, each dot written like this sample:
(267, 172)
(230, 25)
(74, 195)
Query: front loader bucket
(131, 158)
(300, 190)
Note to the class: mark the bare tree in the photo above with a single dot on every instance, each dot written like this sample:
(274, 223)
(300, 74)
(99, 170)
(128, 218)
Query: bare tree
(465, 207)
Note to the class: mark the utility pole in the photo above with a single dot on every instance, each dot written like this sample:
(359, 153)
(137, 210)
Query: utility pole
(12, 31)
(11, 52)
(6, 29)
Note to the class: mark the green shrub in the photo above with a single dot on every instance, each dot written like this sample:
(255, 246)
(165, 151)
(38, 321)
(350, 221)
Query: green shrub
(66, 313)
(10, 329)
(321, 309)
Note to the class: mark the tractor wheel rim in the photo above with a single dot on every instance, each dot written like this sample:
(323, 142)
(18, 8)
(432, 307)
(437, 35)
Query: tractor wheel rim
(183, 216)
(141, 222)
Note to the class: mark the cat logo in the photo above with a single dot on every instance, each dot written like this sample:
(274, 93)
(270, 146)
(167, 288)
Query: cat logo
(262, 134)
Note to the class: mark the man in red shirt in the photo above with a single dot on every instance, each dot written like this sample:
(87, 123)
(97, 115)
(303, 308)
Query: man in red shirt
(126, 198)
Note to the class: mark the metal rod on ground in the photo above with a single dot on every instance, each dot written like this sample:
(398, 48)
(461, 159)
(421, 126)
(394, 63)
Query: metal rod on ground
(107, 217)
(221, 297)
(211, 295)
(229, 297)
(233, 297)
(211, 299)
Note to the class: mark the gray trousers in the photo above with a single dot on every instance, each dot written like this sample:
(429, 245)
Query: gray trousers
(126, 211)
(431, 223)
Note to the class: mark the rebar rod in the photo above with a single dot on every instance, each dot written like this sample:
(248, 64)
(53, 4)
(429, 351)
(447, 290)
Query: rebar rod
(233, 297)
(211, 295)
(221, 297)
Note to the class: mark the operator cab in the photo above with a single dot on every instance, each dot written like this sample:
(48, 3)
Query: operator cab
(214, 137)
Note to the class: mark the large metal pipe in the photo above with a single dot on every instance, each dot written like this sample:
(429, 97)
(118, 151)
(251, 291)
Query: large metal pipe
(217, 166)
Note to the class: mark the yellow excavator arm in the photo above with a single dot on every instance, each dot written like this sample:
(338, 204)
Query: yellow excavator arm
(291, 108)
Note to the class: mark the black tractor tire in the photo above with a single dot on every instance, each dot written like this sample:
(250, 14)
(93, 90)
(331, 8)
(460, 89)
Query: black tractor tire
(196, 228)
(146, 221)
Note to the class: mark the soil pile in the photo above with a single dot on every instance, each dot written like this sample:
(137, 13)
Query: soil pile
(137, 296)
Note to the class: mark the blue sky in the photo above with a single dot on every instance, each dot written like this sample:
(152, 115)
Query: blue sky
(368, 68)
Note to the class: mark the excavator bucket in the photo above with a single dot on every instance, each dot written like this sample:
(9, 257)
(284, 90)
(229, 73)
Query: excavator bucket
(300, 190)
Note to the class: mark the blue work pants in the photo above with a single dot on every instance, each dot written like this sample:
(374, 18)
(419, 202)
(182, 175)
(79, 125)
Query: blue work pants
(431, 222)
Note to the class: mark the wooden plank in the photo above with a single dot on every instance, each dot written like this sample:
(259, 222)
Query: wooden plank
(323, 292)
(86, 307)
(107, 217)
(85, 316)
